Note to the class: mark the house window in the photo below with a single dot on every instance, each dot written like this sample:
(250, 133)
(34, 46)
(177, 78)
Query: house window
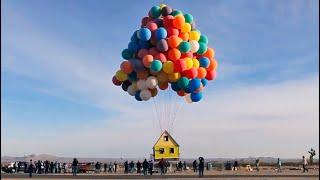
(161, 150)
(166, 138)
(172, 150)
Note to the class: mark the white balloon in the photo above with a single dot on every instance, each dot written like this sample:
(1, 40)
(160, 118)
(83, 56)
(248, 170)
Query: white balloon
(132, 89)
(141, 84)
(152, 82)
(194, 46)
(187, 97)
(145, 95)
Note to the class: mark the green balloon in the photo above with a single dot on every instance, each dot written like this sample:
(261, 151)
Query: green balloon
(202, 48)
(156, 66)
(188, 18)
(203, 39)
(176, 12)
(184, 47)
(183, 82)
(155, 11)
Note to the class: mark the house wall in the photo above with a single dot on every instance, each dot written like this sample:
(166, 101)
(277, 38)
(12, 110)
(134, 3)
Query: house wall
(166, 154)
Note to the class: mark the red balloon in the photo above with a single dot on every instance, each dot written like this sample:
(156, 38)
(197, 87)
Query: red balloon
(152, 26)
(172, 32)
(181, 92)
(191, 73)
(161, 57)
(188, 54)
(163, 86)
(167, 21)
(142, 53)
(115, 81)
(145, 20)
(180, 65)
(153, 51)
(211, 75)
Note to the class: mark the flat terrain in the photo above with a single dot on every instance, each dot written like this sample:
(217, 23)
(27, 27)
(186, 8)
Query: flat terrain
(213, 174)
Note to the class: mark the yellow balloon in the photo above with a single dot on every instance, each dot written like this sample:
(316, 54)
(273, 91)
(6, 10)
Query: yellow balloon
(162, 77)
(186, 28)
(189, 62)
(194, 35)
(121, 76)
(162, 5)
(168, 67)
(174, 77)
(196, 63)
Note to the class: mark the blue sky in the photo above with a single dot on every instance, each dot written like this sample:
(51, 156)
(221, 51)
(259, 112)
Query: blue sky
(58, 58)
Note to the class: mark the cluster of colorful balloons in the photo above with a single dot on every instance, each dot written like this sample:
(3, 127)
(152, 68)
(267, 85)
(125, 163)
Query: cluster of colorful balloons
(166, 50)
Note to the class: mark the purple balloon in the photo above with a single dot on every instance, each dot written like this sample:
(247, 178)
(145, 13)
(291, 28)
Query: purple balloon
(162, 45)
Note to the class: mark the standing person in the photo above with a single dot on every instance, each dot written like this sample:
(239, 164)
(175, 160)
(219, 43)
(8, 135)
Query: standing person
(235, 166)
(110, 167)
(35, 165)
(184, 165)
(74, 167)
(56, 167)
(59, 167)
(30, 168)
(167, 165)
(51, 167)
(138, 167)
(194, 165)
(39, 167)
(64, 166)
(161, 166)
(257, 163)
(46, 167)
(201, 166)
(145, 166)
(25, 167)
(150, 167)
(180, 166)
(279, 163)
(15, 166)
(304, 164)
(126, 167)
(131, 166)
(115, 167)
(105, 167)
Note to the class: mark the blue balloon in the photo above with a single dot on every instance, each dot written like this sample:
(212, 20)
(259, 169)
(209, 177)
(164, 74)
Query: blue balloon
(204, 82)
(161, 33)
(194, 84)
(196, 97)
(127, 54)
(204, 62)
(133, 46)
(187, 89)
(144, 34)
(134, 36)
(137, 96)
(144, 44)
(174, 86)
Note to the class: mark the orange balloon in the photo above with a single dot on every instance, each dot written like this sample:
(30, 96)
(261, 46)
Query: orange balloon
(184, 36)
(202, 72)
(209, 53)
(126, 67)
(181, 92)
(178, 21)
(147, 60)
(213, 65)
(174, 54)
(154, 92)
(174, 41)
(163, 86)
(142, 75)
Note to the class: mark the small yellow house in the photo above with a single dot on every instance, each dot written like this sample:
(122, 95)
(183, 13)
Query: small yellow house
(166, 147)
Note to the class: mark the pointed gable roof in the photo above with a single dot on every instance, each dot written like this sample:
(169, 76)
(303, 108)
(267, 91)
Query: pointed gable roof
(165, 132)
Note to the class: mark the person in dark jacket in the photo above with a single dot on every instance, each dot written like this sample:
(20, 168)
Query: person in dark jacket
(131, 165)
(51, 167)
(150, 167)
(161, 166)
(30, 168)
(126, 167)
(145, 166)
(39, 167)
(194, 165)
(235, 166)
(105, 167)
(115, 167)
(74, 167)
(46, 167)
(201, 166)
(180, 166)
(138, 167)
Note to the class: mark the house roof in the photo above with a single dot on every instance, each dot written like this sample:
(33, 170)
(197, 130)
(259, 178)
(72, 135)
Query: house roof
(166, 132)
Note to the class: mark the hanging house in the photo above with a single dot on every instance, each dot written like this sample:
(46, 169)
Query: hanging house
(166, 147)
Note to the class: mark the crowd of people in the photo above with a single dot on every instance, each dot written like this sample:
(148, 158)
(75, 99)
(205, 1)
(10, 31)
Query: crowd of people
(145, 167)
